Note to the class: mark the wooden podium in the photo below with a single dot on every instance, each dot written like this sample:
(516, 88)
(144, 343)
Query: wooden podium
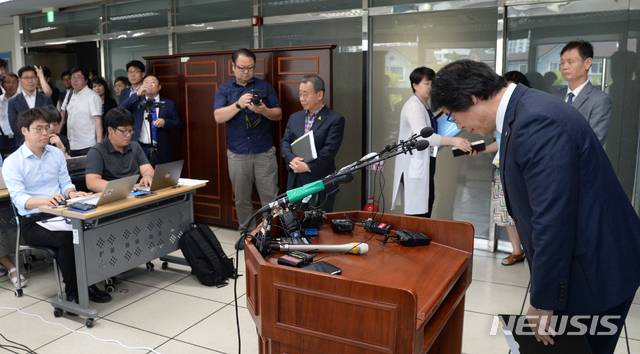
(393, 299)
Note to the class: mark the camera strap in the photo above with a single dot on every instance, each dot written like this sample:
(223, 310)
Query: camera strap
(251, 125)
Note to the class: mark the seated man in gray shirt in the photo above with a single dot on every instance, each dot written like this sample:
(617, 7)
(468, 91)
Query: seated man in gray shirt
(117, 156)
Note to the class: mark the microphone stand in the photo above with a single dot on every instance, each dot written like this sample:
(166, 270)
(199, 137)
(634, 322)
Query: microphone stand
(153, 150)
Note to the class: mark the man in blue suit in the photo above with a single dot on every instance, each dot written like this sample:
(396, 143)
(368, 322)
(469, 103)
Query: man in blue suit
(152, 129)
(328, 130)
(594, 105)
(25, 100)
(135, 74)
(578, 228)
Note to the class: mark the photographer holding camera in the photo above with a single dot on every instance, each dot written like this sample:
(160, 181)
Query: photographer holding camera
(154, 117)
(248, 105)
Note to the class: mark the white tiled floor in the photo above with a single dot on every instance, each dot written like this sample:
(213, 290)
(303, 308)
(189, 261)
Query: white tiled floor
(171, 312)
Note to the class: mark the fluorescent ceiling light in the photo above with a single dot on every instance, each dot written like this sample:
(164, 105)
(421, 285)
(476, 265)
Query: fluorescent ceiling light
(134, 16)
(1, 1)
(41, 29)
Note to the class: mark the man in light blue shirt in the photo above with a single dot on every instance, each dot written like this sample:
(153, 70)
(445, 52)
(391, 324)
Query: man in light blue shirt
(36, 175)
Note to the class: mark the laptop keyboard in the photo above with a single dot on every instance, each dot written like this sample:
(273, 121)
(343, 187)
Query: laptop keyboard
(87, 200)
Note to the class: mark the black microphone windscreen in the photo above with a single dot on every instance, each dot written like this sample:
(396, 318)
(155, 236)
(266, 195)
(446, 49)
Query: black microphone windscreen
(426, 132)
(422, 144)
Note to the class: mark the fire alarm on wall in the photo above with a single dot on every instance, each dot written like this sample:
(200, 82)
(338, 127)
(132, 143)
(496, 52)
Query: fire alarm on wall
(256, 20)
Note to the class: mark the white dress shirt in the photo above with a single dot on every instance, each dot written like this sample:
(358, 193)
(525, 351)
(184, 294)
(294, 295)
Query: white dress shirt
(576, 92)
(81, 126)
(144, 131)
(27, 176)
(4, 115)
(31, 100)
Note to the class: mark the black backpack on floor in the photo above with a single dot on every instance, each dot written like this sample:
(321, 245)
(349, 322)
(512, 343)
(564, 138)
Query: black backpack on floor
(205, 256)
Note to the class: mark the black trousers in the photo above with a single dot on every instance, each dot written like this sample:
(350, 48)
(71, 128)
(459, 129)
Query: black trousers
(605, 344)
(81, 152)
(36, 235)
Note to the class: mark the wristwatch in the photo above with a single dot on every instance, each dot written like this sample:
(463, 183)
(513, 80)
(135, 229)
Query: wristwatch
(238, 105)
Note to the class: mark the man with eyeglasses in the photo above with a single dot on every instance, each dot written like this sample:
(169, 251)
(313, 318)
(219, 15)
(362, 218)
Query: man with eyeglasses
(27, 99)
(251, 155)
(135, 74)
(152, 129)
(36, 175)
(328, 129)
(82, 114)
(578, 228)
(117, 156)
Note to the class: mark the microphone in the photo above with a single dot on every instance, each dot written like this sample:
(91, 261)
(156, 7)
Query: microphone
(308, 189)
(422, 144)
(426, 132)
(352, 248)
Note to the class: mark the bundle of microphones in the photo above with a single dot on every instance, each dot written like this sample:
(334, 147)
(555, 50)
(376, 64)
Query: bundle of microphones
(344, 175)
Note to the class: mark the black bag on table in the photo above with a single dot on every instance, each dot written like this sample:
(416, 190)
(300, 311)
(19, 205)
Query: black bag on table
(202, 250)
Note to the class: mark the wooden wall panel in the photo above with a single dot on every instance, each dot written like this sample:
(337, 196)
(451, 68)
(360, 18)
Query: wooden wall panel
(191, 80)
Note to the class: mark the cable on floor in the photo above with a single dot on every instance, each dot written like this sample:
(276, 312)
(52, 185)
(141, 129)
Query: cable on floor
(78, 332)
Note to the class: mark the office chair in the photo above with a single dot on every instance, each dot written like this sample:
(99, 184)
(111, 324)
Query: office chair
(20, 246)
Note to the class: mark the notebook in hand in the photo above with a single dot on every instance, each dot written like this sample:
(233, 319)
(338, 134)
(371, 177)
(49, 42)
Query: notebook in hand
(476, 146)
(305, 147)
(521, 339)
(165, 175)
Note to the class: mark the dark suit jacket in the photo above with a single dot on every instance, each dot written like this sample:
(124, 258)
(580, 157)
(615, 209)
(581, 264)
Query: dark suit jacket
(171, 122)
(328, 130)
(578, 229)
(595, 107)
(124, 94)
(18, 104)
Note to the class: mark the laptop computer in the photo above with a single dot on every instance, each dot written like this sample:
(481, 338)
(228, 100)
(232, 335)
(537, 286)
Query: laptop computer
(2, 184)
(166, 175)
(115, 190)
(76, 165)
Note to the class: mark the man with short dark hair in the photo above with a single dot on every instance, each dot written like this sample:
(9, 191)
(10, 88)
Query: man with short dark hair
(36, 175)
(135, 74)
(10, 87)
(251, 156)
(328, 130)
(82, 114)
(27, 99)
(152, 127)
(66, 81)
(578, 229)
(594, 105)
(117, 156)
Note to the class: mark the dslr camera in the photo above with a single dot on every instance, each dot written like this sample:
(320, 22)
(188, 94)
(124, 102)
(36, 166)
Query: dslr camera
(149, 106)
(255, 100)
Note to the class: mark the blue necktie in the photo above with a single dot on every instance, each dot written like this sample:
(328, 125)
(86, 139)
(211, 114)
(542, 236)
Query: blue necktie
(570, 99)
(154, 129)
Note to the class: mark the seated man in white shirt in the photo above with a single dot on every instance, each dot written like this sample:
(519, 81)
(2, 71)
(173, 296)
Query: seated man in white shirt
(82, 114)
(36, 175)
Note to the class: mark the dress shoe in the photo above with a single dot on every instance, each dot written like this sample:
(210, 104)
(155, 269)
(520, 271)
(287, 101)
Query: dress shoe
(97, 295)
(513, 259)
(72, 298)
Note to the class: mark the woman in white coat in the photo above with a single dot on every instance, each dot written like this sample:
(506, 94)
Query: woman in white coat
(413, 174)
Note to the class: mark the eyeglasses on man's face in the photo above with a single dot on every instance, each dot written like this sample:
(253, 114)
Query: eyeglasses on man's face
(450, 118)
(126, 132)
(136, 72)
(42, 128)
(29, 78)
(245, 68)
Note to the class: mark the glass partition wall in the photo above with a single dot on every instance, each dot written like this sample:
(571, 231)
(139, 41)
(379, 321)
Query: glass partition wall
(378, 44)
